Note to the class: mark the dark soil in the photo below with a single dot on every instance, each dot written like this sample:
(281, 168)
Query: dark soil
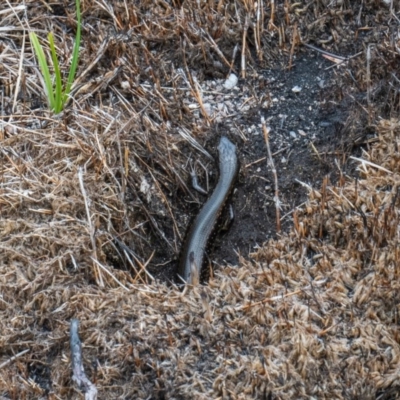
(311, 137)
(296, 120)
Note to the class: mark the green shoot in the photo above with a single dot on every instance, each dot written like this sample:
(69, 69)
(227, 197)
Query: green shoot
(57, 96)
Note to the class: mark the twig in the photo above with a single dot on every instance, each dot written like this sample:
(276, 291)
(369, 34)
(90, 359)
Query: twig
(195, 183)
(258, 29)
(142, 266)
(189, 138)
(78, 373)
(322, 206)
(197, 93)
(109, 273)
(342, 196)
(205, 173)
(310, 46)
(214, 45)
(195, 87)
(234, 52)
(336, 59)
(365, 162)
(272, 165)
(255, 162)
(91, 229)
(18, 84)
(78, 84)
(271, 23)
(243, 59)
(392, 11)
(315, 151)
(325, 331)
(369, 75)
(10, 360)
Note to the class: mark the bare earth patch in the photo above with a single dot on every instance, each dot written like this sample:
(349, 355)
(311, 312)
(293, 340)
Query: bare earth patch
(95, 201)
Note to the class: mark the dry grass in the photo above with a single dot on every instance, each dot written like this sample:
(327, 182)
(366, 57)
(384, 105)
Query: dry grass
(314, 313)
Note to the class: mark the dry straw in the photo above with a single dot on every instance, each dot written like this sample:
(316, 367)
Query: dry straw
(311, 315)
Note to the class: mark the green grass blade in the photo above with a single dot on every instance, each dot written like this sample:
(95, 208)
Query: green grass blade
(44, 68)
(75, 54)
(58, 94)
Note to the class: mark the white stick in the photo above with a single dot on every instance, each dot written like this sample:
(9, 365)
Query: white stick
(78, 373)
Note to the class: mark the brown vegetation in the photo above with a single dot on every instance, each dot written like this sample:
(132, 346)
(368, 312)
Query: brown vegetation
(94, 205)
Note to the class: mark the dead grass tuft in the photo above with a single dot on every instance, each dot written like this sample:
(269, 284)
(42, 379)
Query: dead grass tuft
(85, 199)
(314, 313)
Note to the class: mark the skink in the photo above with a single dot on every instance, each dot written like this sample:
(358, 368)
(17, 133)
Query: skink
(192, 255)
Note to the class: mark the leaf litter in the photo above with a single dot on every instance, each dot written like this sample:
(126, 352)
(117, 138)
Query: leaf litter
(94, 203)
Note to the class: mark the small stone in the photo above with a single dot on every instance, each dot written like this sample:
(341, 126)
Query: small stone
(296, 89)
(125, 85)
(231, 82)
